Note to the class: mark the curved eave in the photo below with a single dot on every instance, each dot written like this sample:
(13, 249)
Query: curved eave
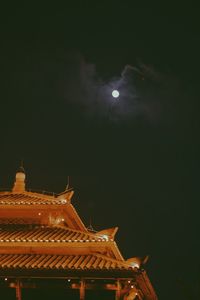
(146, 286)
(34, 201)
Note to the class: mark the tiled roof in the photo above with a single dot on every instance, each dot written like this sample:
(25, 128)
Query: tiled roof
(47, 234)
(60, 262)
(27, 198)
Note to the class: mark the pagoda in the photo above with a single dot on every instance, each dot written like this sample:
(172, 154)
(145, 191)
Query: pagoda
(46, 252)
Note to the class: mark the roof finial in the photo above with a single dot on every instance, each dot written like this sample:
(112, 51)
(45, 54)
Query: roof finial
(19, 185)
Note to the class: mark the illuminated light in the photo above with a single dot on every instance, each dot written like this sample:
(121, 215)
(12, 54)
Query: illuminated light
(39, 214)
(134, 265)
(129, 281)
(63, 220)
(12, 285)
(132, 286)
(68, 280)
(6, 279)
(115, 93)
(105, 237)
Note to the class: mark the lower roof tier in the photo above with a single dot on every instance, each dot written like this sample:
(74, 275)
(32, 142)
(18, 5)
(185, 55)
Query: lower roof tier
(59, 240)
(60, 262)
(73, 266)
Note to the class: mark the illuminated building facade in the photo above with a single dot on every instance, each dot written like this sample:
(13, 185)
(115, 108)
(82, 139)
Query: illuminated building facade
(47, 252)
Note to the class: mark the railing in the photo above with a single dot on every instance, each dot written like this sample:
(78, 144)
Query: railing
(42, 192)
(37, 191)
(32, 191)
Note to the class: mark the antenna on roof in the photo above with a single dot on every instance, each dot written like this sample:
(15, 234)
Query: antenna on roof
(67, 187)
(90, 227)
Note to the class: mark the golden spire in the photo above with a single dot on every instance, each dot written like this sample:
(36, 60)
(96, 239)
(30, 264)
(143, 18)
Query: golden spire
(19, 185)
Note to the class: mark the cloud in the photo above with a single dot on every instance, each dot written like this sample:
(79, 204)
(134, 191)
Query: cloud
(145, 93)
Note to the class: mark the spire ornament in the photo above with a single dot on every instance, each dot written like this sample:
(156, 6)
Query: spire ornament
(19, 185)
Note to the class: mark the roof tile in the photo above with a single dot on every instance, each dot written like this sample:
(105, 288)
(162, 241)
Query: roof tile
(66, 262)
(29, 198)
(46, 234)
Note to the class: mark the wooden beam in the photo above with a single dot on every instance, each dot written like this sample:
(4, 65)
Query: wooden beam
(118, 291)
(82, 290)
(95, 286)
(18, 291)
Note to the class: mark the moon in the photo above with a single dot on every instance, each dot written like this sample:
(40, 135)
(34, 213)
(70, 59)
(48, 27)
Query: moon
(115, 93)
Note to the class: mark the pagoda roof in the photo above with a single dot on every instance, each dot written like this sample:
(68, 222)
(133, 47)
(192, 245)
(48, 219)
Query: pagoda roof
(42, 235)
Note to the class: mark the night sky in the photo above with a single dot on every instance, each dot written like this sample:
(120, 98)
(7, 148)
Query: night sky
(133, 161)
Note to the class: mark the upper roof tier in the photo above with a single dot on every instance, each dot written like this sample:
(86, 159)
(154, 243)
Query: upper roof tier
(38, 207)
(30, 198)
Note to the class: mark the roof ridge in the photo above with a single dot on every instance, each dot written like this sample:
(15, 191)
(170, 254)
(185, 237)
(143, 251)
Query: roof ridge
(76, 230)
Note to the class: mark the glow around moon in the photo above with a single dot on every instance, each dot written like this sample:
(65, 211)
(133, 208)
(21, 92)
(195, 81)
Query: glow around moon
(115, 93)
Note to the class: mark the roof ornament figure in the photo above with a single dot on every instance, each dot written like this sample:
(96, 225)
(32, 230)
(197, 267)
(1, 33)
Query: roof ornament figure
(19, 185)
